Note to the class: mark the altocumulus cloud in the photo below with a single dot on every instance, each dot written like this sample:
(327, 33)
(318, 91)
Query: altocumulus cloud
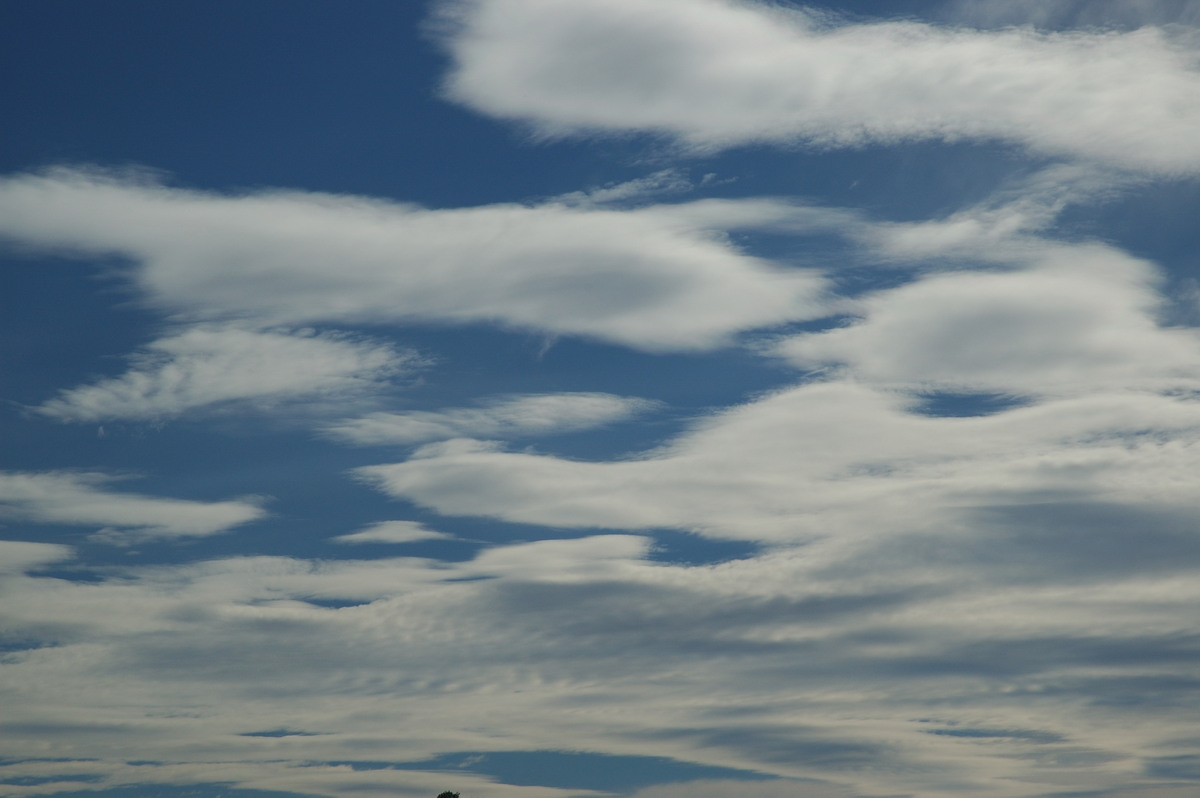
(758, 664)
(716, 73)
(996, 604)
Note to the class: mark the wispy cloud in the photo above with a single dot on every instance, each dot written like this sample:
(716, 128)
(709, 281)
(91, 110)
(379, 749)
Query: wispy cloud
(664, 181)
(715, 73)
(215, 367)
(504, 417)
(80, 499)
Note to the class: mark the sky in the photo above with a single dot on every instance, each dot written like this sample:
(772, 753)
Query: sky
(600, 399)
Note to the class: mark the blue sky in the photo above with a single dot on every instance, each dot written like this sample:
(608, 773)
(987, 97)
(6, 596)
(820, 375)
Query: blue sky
(600, 398)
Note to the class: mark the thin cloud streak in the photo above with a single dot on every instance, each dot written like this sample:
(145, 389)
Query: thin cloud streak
(505, 417)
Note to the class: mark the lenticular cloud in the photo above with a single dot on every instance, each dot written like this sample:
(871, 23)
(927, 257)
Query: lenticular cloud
(714, 73)
(645, 278)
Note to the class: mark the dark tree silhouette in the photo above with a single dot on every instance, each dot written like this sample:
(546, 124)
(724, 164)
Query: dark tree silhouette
(448, 794)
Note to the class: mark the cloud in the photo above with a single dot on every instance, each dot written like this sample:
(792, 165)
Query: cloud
(209, 367)
(504, 417)
(1077, 319)
(79, 499)
(660, 278)
(664, 181)
(997, 605)
(587, 559)
(998, 304)
(767, 664)
(715, 73)
(17, 556)
(826, 460)
(737, 788)
(393, 532)
(1012, 227)
(1059, 14)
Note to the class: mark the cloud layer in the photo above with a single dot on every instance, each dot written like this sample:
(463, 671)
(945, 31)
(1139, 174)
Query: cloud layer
(942, 604)
(988, 688)
(942, 544)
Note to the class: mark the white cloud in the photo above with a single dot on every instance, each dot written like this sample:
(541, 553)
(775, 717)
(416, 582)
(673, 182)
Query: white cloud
(991, 606)
(210, 367)
(1005, 229)
(17, 555)
(393, 532)
(1058, 14)
(506, 417)
(717, 73)
(586, 559)
(1080, 319)
(79, 499)
(664, 181)
(829, 460)
(777, 664)
(949, 567)
(652, 278)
